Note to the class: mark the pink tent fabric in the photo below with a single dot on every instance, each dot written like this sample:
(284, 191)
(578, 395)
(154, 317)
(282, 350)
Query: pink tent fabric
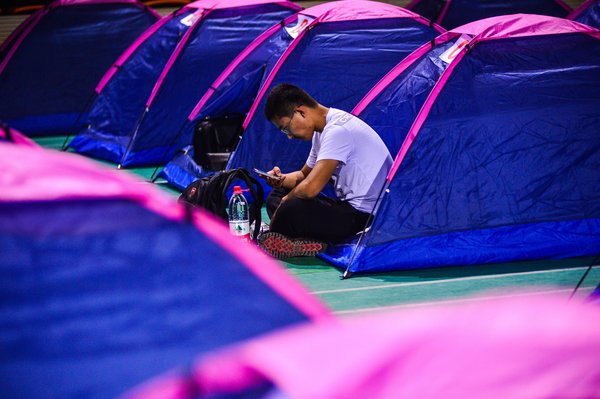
(332, 12)
(17, 137)
(517, 25)
(326, 12)
(46, 175)
(529, 347)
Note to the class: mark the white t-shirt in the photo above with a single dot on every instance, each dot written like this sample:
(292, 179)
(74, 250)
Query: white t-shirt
(364, 160)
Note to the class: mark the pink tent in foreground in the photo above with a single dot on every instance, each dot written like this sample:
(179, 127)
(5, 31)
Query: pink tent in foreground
(107, 281)
(14, 136)
(520, 347)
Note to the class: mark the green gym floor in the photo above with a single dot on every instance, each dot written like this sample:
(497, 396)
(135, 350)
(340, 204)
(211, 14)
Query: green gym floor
(424, 287)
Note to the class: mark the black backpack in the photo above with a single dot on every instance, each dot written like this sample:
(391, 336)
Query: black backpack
(214, 139)
(210, 193)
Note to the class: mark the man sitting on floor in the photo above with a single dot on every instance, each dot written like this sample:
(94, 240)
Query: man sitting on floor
(345, 151)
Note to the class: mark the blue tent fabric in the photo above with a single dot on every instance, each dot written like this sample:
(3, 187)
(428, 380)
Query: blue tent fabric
(589, 14)
(337, 62)
(49, 80)
(595, 295)
(460, 12)
(116, 109)
(125, 127)
(131, 296)
(393, 112)
(100, 294)
(233, 97)
(504, 167)
(182, 171)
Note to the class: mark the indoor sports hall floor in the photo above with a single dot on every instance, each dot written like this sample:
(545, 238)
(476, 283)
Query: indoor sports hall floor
(411, 288)
(425, 287)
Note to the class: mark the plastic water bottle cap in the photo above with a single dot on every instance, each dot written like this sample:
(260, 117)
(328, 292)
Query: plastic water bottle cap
(239, 190)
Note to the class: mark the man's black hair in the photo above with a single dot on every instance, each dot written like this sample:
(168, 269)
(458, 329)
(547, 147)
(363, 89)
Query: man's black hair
(284, 98)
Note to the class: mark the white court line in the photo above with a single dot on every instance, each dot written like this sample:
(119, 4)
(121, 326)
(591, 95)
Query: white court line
(449, 280)
(455, 301)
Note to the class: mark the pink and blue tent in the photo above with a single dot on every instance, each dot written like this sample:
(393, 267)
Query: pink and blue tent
(13, 136)
(391, 106)
(336, 51)
(507, 348)
(108, 281)
(155, 84)
(595, 295)
(501, 162)
(453, 13)
(588, 13)
(50, 65)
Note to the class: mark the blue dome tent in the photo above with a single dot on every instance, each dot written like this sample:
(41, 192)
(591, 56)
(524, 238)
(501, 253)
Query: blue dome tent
(51, 64)
(154, 85)
(108, 281)
(336, 51)
(501, 162)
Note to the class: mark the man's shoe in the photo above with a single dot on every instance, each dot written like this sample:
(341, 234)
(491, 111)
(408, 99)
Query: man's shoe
(282, 247)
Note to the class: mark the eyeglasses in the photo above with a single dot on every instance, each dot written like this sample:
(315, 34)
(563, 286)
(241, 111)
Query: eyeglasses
(286, 129)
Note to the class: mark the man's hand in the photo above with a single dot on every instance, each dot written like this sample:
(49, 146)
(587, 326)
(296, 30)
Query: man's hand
(286, 180)
(275, 183)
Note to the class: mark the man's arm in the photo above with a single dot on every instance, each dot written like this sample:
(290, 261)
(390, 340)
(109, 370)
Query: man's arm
(314, 181)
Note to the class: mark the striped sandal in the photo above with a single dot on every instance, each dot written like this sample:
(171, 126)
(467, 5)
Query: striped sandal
(282, 247)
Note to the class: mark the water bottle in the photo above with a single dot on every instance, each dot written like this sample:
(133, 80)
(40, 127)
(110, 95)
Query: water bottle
(239, 215)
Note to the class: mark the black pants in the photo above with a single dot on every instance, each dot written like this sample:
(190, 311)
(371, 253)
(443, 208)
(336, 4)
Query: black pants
(320, 218)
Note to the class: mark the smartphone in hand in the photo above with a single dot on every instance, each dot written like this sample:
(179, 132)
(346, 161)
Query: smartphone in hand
(266, 175)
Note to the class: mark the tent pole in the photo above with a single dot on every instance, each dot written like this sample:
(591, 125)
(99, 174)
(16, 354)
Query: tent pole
(581, 280)
(347, 272)
(87, 107)
(133, 136)
(173, 141)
